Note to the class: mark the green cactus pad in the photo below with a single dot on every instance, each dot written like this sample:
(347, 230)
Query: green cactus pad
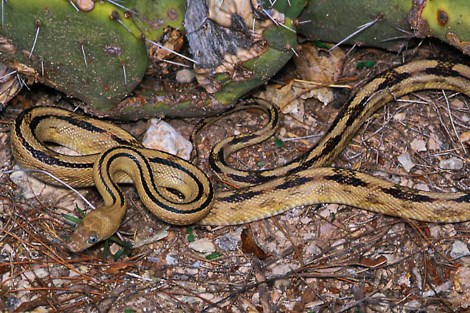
(97, 56)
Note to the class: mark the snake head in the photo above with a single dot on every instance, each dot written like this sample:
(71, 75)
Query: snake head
(95, 227)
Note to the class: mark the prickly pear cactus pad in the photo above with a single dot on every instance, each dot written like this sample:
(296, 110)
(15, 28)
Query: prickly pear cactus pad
(93, 53)
(387, 24)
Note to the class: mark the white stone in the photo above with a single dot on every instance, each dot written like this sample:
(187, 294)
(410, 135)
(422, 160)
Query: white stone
(162, 136)
(203, 245)
(418, 145)
(405, 161)
(185, 76)
(171, 260)
(459, 249)
(451, 164)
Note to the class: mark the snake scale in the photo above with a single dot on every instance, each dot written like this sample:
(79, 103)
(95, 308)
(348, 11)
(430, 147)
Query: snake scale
(179, 193)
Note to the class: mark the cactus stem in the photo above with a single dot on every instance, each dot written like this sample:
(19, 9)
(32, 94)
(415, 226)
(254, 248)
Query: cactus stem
(38, 27)
(360, 29)
(169, 50)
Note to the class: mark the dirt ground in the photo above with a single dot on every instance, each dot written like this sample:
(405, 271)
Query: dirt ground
(324, 258)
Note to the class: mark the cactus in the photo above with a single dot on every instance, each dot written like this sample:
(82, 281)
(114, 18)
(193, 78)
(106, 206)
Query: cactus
(237, 45)
(389, 24)
(97, 56)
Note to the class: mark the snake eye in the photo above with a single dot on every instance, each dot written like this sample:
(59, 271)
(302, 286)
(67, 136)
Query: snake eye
(92, 239)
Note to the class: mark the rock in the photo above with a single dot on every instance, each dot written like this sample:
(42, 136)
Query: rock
(184, 76)
(162, 136)
(405, 161)
(418, 145)
(451, 164)
(203, 245)
(422, 187)
(459, 250)
(229, 242)
(171, 260)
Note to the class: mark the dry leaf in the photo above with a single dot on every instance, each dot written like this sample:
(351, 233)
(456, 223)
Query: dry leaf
(287, 98)
(316, 65)
(368, 262)
(118, 267)
(249, 245)
(322, 68)
(465, 137)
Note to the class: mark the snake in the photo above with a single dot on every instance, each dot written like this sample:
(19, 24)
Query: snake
(179, 193)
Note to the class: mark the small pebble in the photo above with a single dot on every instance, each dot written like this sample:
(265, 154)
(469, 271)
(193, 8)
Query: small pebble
(459, 250)
(170, 260)
(228, 242)
(451, 164)
(399, 116)
(422, 187)
(184, 76)
(162, 136)
(405, 161)
(203, 245)
(7, 250)
(281, 269)
(418, 145)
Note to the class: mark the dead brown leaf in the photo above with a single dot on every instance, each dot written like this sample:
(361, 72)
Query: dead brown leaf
(249, 245)
(316, 65)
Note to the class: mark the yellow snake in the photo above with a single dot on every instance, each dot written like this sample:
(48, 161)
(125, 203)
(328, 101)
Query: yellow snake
(179, 193)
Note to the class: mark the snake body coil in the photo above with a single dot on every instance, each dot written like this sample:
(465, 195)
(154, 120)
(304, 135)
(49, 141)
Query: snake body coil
(179, 193)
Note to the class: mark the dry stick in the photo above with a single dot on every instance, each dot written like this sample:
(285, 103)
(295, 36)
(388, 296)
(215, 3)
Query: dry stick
(297, 251)
(194, 294)
(429, 243)
(436, 293)
(361, 302)
(264, 298)
(441, 120)
(452, 122)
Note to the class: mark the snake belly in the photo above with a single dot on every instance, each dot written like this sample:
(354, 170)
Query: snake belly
(179, 193)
